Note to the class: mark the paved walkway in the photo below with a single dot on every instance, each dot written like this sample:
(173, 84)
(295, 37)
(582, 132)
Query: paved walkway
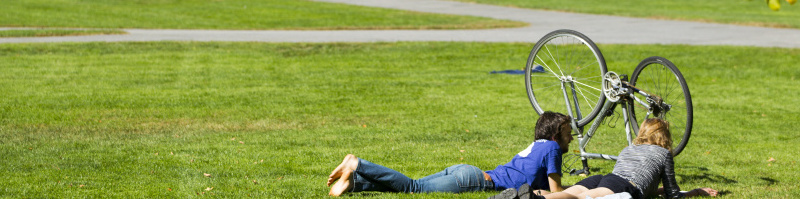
(602, 29)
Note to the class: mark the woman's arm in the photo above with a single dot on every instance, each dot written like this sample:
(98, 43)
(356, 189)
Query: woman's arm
(671, 189)
(695, 192)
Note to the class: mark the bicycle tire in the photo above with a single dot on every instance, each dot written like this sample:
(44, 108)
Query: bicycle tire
(569, 52)
(659, 81)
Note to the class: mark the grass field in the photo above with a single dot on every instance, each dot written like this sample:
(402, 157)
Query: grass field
(743, 12)
(250, 15)
(271, 120)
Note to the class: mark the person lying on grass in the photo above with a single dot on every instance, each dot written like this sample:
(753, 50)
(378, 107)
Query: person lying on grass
(638, 171)
(539, 165)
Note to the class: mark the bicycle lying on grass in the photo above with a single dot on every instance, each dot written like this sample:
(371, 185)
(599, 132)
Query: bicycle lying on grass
(569, 60)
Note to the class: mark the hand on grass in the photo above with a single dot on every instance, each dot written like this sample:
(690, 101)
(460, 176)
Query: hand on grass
(703, 192)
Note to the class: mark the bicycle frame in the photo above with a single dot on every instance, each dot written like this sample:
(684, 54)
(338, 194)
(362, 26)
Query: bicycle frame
(584, 137)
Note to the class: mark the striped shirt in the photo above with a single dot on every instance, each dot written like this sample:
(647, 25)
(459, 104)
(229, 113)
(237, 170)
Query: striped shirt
(646, 166)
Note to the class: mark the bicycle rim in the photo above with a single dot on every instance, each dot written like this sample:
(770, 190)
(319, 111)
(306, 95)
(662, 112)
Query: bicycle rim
(571, 57)
(660, 77)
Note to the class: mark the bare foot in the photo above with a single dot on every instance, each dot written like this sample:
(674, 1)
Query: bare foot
(350, 162)
(343, 185)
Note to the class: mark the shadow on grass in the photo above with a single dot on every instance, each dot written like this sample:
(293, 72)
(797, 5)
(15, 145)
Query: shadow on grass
(703, 174)
(723, 192)
(365, 194)
(769, 181)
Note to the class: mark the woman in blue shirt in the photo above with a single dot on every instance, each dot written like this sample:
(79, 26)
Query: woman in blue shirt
(539, 166)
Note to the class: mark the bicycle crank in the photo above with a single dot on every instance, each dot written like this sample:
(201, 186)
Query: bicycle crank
(613, 87)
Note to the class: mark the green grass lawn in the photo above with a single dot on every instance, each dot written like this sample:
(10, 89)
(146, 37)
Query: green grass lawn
(205, 14)
(271, 120)
(744, 12)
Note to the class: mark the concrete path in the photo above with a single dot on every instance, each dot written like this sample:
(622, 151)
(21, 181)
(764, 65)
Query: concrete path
(600, 28)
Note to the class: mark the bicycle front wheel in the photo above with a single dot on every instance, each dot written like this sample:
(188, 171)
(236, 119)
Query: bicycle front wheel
(672, 102)
(566, 59)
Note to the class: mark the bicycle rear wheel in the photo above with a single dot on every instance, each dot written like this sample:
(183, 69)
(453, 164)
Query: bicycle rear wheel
(570, 60)
(660, 77)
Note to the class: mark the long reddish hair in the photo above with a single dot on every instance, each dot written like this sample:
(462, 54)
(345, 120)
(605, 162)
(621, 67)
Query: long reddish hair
(656, 132)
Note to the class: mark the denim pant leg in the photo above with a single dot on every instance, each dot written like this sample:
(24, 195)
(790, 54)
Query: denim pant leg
(456, 179)
(366, 184)
(459, 178)
(369, 176)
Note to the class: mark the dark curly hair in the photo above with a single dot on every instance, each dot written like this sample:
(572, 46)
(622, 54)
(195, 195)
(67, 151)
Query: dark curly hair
(549, 125)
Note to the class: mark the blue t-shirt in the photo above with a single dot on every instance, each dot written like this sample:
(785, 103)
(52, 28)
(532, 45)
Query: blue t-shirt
(531, 166)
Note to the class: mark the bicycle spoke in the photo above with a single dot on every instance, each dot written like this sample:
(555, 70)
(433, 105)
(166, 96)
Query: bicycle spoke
(586, 98)
(660, 78)
(548, 84)
(676, 86)
(545, 88)
(584, 67)
(595, 95)
(678, 122)
(588, 86)
(541, 76)
(574, 52)
(593, 80)
(678, 107)
(554, 60)
(653, 80)
(595, 77)
(547, 67)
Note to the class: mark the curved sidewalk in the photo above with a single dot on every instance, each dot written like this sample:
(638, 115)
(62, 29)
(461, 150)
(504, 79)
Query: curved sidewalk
(601, 28)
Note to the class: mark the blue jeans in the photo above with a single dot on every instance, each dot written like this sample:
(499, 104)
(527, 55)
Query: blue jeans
(455, 179)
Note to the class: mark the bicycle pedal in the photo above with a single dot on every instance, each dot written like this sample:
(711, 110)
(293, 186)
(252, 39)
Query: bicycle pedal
(610, 111)
(582, 172)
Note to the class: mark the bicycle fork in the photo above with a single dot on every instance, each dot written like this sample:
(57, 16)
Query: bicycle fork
(575, 118)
